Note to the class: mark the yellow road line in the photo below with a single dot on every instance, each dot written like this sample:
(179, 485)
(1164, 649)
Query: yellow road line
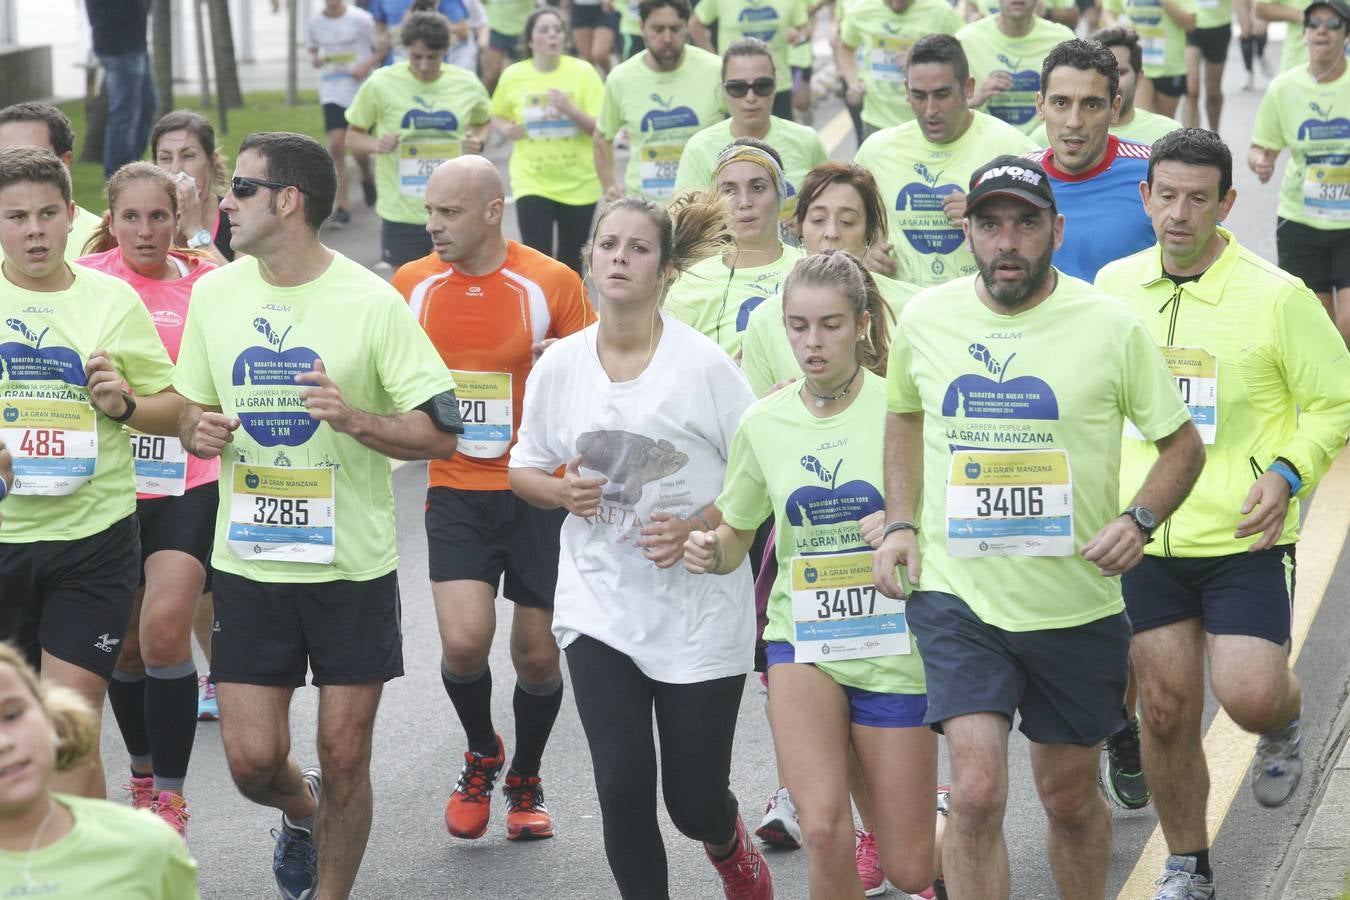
(836, 130)
(1227, 747)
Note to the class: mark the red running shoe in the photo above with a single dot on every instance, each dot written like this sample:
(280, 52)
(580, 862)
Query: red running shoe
(527, 818)
(470, 804)
(745, 873)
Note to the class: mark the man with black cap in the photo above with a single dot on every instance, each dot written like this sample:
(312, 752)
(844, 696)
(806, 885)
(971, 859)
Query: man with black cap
(998, 399)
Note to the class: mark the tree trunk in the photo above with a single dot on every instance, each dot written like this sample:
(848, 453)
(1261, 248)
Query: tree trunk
(161, 52)
(292, 53)
(95, 114)
(222, 53)
(203, 63)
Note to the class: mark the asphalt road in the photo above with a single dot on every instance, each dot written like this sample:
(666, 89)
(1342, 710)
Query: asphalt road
(419, 742)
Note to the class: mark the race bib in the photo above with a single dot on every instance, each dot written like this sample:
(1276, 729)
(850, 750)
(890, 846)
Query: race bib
(485, 407)
(887, 59)
(544, 122)
(1197, 375)
(1207, 4)
(161, 464)
(657, 169)
(54, 444)
(1010, 503)
(838, 614)
(282, 514)
(1154, 49)
(1326, 192)
(338, 66)
(418, 157)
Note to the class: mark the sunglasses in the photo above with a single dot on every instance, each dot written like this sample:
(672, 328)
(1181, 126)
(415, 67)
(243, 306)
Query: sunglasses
(739, 87)
(244, 188)
(1330, 23)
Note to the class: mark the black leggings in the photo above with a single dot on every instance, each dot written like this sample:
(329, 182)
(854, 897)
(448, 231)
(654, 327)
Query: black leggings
(537, 216)
(696, 723)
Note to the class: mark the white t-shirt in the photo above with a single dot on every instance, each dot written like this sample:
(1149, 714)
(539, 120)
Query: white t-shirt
(662, 441)
(344, 42)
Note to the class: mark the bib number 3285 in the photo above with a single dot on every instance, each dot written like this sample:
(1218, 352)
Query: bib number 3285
(282, 514)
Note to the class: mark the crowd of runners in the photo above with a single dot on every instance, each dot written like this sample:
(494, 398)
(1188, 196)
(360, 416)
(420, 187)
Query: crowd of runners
(831, 422)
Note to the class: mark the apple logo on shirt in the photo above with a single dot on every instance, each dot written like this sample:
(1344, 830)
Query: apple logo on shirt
(932, 233)
(667, 116)
(270, 409)
(28, 360)
(829, 502)
(630, 461)
(1325, 128)
(429, 120)
(763, 16)
(1013, 105)
(981, 397)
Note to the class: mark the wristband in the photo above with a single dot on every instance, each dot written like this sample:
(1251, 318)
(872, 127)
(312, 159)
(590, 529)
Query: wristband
(1286, 471)
(4, 488)
(901, 525)
(131, 409)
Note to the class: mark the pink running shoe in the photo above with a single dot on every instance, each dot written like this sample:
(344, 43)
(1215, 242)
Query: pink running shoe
(745, 873)
(208, 710)
(142, 791)
(172, 808)
(869, 864)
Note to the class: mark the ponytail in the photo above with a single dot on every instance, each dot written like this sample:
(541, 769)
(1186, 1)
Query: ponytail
(692, 229)
(844, 272)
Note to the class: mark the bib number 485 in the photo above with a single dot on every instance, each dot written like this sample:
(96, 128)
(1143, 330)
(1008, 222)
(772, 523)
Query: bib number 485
(280, 511)
(43, 442)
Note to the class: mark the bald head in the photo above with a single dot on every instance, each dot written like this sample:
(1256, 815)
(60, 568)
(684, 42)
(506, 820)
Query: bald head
(465, 199)
(470, 179)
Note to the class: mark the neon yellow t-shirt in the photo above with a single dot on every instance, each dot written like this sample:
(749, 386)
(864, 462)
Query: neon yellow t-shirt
(817, 478)
(554, 159)
(915, 176)
(882, 40)
(630, 17)
(768, 20)
(766, 353)
(287, 478)
(81, 230)
(1213, 13)
(508, 16)
(994, 7)
(1162, 40)
(1019, 471)
(1143, 128)
(430, 119)
(1299, 114)
(662, 111)
(801, 148)
(717, 300)
(73, 473)
(989, 50)
(112, 851)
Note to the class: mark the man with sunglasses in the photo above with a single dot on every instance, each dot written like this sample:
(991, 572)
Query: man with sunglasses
(662, 97)
(304, 372)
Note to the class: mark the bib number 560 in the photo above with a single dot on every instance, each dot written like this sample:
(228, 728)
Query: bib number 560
(280, 511)
(43, 442)
(147, 446)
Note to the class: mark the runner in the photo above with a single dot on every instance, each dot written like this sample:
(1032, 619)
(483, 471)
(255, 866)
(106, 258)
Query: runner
(922, 166)
(1065, 12)
(1218, 583)
(1162, 27)
(1096, 175)
(839, 209)
(1312, 225)
(183, 143)
(1019, 548)
(414, 116)
(1295, 52)
(467, 18)
(308, 405)
(547, 104)
(154, 689)
(594, 39)
(1206, 54)
(781, 24)
(466, 295)
(58, 845)
(342, 44)
(506, 23)
(1252, 40)
(1005, 52)
(641, 410)
(717, 295)
(1132, 123)
(747, 83)
(802, 63)
(630, 28)
(832, 693)
(43, 125)
(661, 97)
(877, 35)
(69, 550)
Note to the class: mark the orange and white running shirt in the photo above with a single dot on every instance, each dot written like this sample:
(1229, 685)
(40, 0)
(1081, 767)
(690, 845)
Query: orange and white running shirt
(484, 327)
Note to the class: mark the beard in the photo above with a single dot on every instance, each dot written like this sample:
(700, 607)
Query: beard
(1011, 295)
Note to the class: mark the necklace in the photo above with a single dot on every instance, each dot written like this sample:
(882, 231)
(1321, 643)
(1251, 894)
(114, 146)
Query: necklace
(822, 399)
(37, 838)
(1317, 79)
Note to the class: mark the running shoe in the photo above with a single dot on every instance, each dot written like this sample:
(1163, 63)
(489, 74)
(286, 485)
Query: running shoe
(1179, 881)
(779, 825)
(172, 808)
(745, 873)
(1124, 781)
(938, 890)
(295, 858)
(865, 856)
(470, 804)
(142, 791)
(340, 216)
(207, 708)
(1278, 766)
(527, 818)
(368, 192)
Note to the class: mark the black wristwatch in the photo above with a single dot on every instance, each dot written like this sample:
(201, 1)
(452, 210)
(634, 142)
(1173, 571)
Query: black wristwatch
(1144, 520)
(131, 409)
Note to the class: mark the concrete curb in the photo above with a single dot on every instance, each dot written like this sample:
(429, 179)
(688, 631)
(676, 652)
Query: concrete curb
(1321, 856)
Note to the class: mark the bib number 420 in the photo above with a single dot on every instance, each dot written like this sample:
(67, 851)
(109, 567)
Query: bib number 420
(1010, 501)
(43, 442)
(280, 511)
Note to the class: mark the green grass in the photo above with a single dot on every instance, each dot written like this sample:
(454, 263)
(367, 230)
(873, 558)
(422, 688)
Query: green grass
(263, 111)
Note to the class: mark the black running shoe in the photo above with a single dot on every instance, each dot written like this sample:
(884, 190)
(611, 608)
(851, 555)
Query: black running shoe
(1124, 782)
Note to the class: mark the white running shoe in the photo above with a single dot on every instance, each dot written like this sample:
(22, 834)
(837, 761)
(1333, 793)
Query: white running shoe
(779, 825)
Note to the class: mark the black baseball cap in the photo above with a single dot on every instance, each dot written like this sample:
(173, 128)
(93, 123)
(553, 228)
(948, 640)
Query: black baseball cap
(1340, 7)
(1012, 176)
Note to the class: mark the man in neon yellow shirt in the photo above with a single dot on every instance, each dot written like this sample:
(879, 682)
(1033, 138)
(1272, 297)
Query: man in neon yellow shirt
(922, 166)
(998, 405)
(1267, 380)
(1005, 53)
(304, 372)
(43, 125)
(1162, 27)
(1132, 123)
(781, 24)
(1065, 12)
(662, 96)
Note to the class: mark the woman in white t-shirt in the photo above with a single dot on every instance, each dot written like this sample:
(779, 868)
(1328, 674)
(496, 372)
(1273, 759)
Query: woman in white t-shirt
(640, 410)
